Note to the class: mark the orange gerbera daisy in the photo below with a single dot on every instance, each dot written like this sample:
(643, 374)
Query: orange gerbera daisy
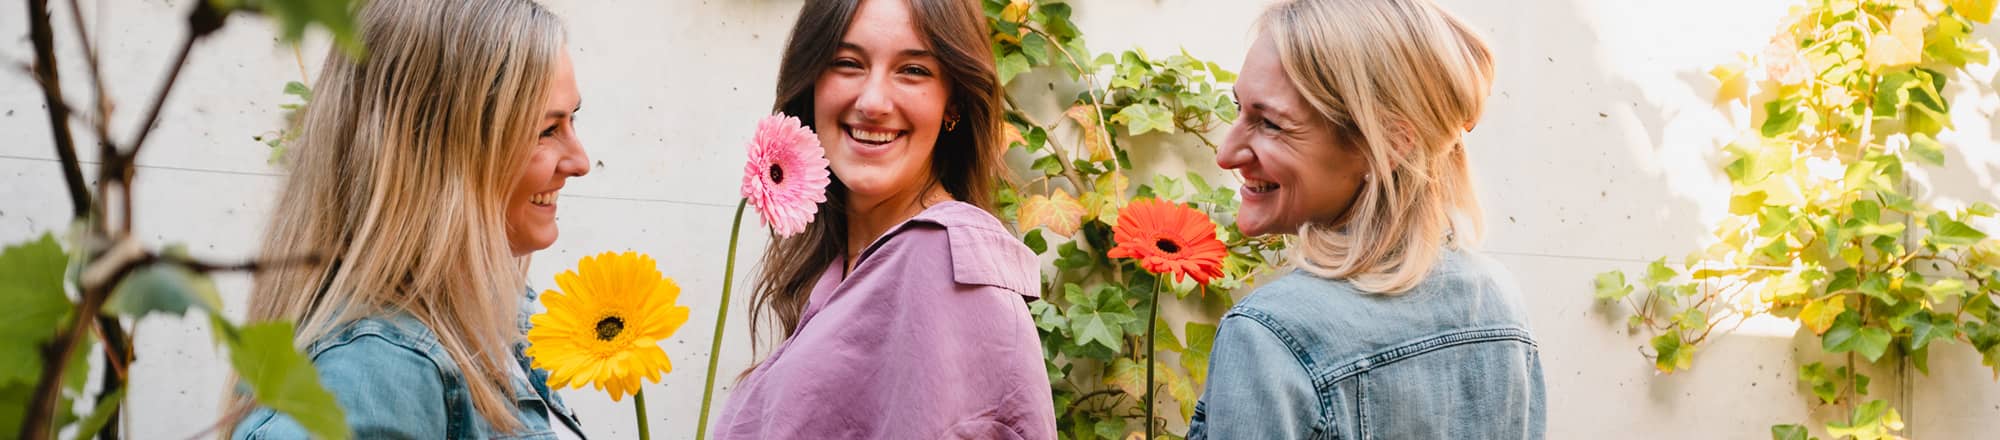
(1169, 238)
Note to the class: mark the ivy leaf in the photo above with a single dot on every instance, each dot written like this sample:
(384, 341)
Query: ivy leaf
(1731, 84)
(1945, 289)
(1819, 314)
(1035, 48)
(1092, 131)
(1927, 149)
(1035, 241)
(1142, 118)
(1925, 327)
(1200, 341)
(283, 379)
(1781, 117)
(99, 415)
(1788, 432)
(1047, 318)
(1950, 233)
(1178, 387)
(293, 16)
(1011, 65)
(1903, 45)
(36, 306)
(1060, 213)
(1611, 286)
(1673, 354)
(1098, 316)
(1870, 421)
(1658, 272)
(165, 288)
(1068, 256)
(1049, 165)
(1127, 376)
(1814, 377)
(1847, 334)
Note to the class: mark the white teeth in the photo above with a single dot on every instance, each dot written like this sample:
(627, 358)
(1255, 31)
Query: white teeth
(544, 199)
(1259, 187)
(872, 136)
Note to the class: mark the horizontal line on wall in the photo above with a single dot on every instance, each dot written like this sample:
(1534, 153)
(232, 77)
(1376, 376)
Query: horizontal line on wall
(1565, 257)
(148, 167)
(247, 173)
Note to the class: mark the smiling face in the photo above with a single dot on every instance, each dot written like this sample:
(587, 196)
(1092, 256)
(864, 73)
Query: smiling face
(880, 103)
(557, 156)
(1295, 167)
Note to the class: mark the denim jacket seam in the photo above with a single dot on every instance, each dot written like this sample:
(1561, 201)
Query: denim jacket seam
(1426, 345)
(1321, 390)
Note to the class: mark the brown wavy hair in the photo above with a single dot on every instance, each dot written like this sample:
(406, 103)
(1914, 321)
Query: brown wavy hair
(966, 160)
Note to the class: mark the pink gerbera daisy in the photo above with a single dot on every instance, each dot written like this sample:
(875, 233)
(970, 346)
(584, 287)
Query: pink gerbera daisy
(786, 176)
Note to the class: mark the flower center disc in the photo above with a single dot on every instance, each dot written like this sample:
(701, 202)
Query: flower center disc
(777, 174)
(1168, 246)
(609, 327)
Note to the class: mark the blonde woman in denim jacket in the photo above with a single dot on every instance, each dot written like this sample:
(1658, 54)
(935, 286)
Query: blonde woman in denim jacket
(1352, 131)
(425, 174)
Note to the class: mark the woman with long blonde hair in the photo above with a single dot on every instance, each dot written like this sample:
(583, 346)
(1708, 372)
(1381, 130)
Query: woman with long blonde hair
(1352, 137)
(425, 174)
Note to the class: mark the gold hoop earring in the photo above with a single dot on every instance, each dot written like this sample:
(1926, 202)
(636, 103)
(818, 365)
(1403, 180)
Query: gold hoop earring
(951, 123)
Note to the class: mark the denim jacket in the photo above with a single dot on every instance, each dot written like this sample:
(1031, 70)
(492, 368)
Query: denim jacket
(1313, 358)
(395, 382)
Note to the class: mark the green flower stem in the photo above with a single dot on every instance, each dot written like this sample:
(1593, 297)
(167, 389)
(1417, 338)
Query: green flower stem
(1152, 322)
(639, 398)
(721, 316)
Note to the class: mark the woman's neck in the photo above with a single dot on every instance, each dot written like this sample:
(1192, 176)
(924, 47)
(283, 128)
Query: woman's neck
(870, 217)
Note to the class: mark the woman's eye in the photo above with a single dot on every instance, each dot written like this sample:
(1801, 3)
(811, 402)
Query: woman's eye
(917, 70)
(846, 63)
(549, 132)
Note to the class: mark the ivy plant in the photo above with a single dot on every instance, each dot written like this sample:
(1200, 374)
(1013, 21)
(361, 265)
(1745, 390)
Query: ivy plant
(1094, 311)
(1826, 226)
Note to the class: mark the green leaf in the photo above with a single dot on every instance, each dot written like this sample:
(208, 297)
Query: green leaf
(1945, 289)
(1672, 353)
(1788, 432)
(1127, 376)
(1951, 233)
(293, 16)
(1847, 334)
(1611, 286)
(298, 89)
(1200, 341)
(1782, 117)
(1927, 150)
(1814, 377)
(1011, 65)
(99, 415)
(283, 379)
(1068, 256)
(1049, 165)
(164, 288)
(36, 305)
(1142, 118)
(1035, 241)
(1658, 272)
(1048, 318)
(1925, 327)
(1035, 48)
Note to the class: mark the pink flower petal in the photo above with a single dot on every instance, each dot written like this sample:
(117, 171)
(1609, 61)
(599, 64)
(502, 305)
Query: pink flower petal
(789, 198)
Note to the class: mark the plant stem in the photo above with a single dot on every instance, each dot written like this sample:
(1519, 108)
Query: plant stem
(1152, 321)
(639, 399)
(721, 316)
(45, 72)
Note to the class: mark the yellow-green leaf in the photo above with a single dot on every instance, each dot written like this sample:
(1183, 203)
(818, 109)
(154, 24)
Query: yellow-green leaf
(1127, 376)
(283, 379)
(1060, 213)
(1903, 45)
(1091, 131)
(33, 290)
(1819, 314)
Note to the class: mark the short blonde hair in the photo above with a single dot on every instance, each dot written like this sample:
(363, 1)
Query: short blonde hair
(1402, 81)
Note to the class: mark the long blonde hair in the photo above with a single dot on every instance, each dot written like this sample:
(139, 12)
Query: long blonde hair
(1402, 81)
(403, 168)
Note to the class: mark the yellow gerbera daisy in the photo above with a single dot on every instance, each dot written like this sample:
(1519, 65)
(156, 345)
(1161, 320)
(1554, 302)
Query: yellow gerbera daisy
(605, 326)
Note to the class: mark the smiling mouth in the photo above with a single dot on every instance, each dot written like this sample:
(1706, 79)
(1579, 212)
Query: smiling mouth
(872, 137)
(1259, 187)
(543, 198)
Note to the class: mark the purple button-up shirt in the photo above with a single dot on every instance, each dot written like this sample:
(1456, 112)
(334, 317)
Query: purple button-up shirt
(928, 338)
